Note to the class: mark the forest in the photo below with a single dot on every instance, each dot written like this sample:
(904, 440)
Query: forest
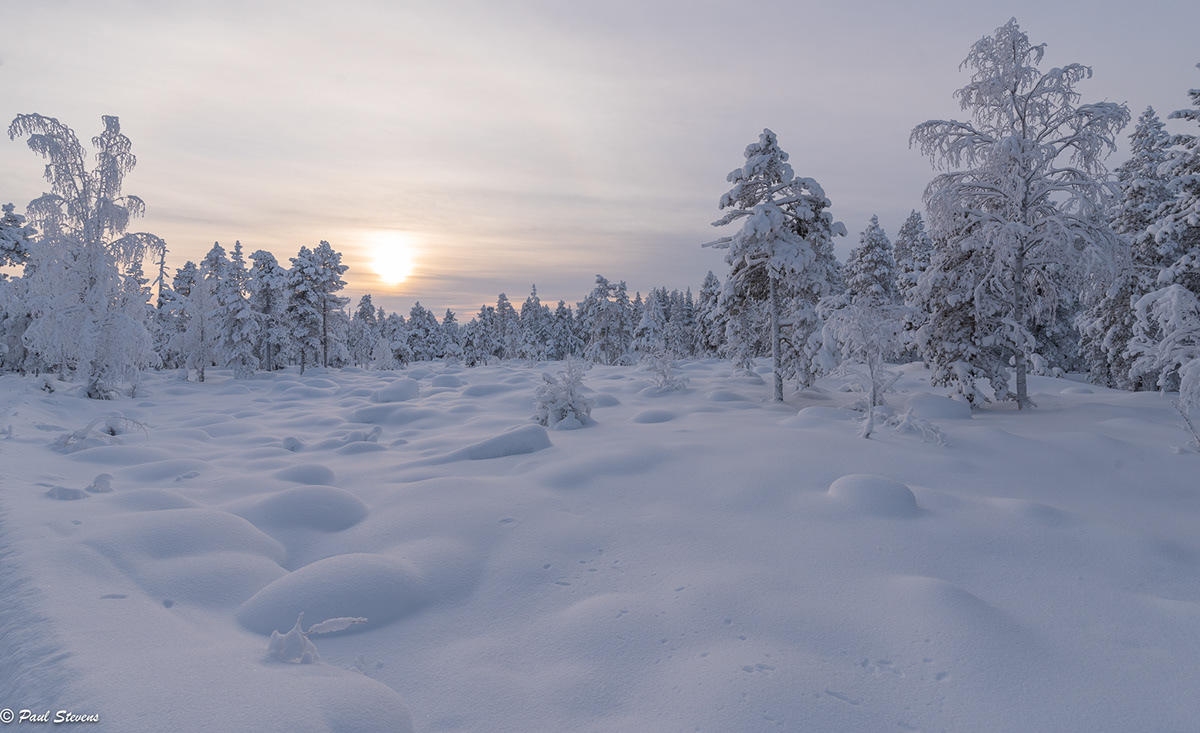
(1029, 257)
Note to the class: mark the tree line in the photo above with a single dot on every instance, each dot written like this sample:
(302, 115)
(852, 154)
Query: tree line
(1029, 258)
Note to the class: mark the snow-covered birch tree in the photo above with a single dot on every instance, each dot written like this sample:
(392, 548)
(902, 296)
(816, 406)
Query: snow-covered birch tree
(79, 290)
(1024, 187)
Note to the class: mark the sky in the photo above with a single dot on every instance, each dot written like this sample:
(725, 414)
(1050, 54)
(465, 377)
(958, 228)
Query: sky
(488, 145)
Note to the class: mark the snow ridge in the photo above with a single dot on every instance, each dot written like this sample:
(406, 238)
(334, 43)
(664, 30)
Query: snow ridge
(35, 672)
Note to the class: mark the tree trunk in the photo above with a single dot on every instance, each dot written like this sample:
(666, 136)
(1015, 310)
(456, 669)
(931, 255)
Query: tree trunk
(1019, 317)
(776, 358)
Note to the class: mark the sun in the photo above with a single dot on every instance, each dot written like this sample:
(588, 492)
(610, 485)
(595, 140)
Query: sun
(392, 256)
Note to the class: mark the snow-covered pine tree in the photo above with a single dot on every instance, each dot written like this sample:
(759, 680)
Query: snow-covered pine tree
(1106, 325)
(508, 328)
(650, 337)
(313, 281)
(784, 230)
(870, 272)
(267, 283)
(481, 339)
(913, 249)
(197, 337)
(1176, 228)
(710, 320)
(394, 330)
(80, 301)
(364, 332)
(16, 237)
(565, 333)
(238, 324)
(604, 322)
(452, 346)
(424, 334)
(535, 337)
(681, 327)
(1028, 195)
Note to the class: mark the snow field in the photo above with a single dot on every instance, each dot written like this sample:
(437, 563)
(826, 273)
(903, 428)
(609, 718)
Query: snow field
(700, 560)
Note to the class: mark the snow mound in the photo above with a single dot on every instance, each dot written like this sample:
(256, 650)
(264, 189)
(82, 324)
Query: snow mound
(307, 473)
(351, 449)
(818, 416)
(654, 416)
(527, 439)
(874, 496)
(933, 407)
(394, 415)
(1078, 390)
(318, 507)
(215, 580)
(120, 455)
(398, 391)
(163, 470)
(150, 500)
(724, 395)
(965, 623)
(357, 704)
(485, 390)
(446, 380)
(1037, 512)
(606, 400)
(377, 587)
(450, 566)
(130, 538)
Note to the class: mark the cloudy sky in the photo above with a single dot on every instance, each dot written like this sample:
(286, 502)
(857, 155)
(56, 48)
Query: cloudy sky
(494, 144)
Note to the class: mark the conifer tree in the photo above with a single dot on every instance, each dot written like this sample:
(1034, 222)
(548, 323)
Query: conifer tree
(871, 269)
(267, 283)
(776, 257)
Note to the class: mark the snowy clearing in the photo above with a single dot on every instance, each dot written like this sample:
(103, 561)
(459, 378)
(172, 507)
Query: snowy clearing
(700, 560)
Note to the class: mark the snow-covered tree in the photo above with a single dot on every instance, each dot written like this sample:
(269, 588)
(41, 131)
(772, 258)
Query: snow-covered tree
(710, 321)
(312, 283)
(650, 336)
(861, 332)
(565, 338)
(238, 324)
(267, 283)
(560, 403)
(1177, 222)
(604, 322)
(197, 337)
(535, 337)
(79, 294)
(870, 272)
(1166, 340)
(1024, 190)
(1107, 323)
(424, 334)
(452, 346)
(364, 332)
(784, 230)
(15, 239)
(913, 249)
(481, 340)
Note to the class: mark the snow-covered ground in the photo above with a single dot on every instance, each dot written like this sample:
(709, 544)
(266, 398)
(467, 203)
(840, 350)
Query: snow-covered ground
(704, 560)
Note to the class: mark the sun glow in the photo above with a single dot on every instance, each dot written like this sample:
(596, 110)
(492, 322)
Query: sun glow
(392, 256)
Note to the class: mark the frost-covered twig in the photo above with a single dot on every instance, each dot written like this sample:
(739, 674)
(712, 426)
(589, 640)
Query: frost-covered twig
(294, 646)
(1193, 445)
(114, 425)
